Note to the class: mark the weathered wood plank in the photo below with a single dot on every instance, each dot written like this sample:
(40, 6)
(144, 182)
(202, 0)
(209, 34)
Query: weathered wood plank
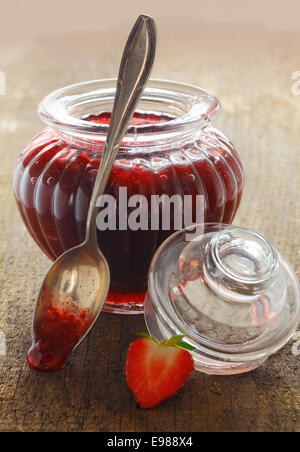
(251, 75)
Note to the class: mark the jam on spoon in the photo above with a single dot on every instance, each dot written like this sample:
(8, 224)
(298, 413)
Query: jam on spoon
(58, 329)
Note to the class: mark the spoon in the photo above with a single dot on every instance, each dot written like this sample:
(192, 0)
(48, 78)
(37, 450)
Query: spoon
(76, 287)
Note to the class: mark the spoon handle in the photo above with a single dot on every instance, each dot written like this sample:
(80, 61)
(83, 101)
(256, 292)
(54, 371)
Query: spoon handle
(136, 64)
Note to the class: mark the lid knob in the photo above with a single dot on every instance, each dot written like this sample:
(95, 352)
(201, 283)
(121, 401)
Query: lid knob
(230, 277)
(239, 264)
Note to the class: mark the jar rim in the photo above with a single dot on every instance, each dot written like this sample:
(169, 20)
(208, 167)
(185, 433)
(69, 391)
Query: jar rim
(191, 107)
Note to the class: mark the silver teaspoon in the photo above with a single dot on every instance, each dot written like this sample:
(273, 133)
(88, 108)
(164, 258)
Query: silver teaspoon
(76, 287)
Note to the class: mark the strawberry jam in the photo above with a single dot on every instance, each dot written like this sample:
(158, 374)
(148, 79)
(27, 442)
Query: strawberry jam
(58, 328)
(55, 176)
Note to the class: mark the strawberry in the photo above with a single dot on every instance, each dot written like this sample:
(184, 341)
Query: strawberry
(157, 370)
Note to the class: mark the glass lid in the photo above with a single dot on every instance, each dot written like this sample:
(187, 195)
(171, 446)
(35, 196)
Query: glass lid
(228, 289)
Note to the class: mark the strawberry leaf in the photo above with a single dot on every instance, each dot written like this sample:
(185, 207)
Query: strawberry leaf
(174, 340)
(182, 344)
(145, 335)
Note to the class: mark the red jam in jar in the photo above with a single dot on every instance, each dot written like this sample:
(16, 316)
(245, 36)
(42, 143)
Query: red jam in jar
(170, 148)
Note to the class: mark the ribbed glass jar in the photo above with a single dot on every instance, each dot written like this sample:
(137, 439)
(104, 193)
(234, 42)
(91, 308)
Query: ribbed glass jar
(170, 148)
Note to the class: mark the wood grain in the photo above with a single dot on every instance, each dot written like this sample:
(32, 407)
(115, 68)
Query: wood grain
(250, 71)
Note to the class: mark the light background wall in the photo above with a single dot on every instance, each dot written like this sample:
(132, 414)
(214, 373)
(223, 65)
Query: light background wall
(23, 21)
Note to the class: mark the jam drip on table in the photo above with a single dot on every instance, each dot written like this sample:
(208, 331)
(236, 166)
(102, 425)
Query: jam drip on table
(58, 328)
(54, 180)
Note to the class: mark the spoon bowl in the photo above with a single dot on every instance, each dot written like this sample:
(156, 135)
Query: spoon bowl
(80, 276)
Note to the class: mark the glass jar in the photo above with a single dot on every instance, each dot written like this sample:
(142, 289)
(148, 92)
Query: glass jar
(170, 148)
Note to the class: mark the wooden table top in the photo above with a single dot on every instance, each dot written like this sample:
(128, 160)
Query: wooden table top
(250, 72)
